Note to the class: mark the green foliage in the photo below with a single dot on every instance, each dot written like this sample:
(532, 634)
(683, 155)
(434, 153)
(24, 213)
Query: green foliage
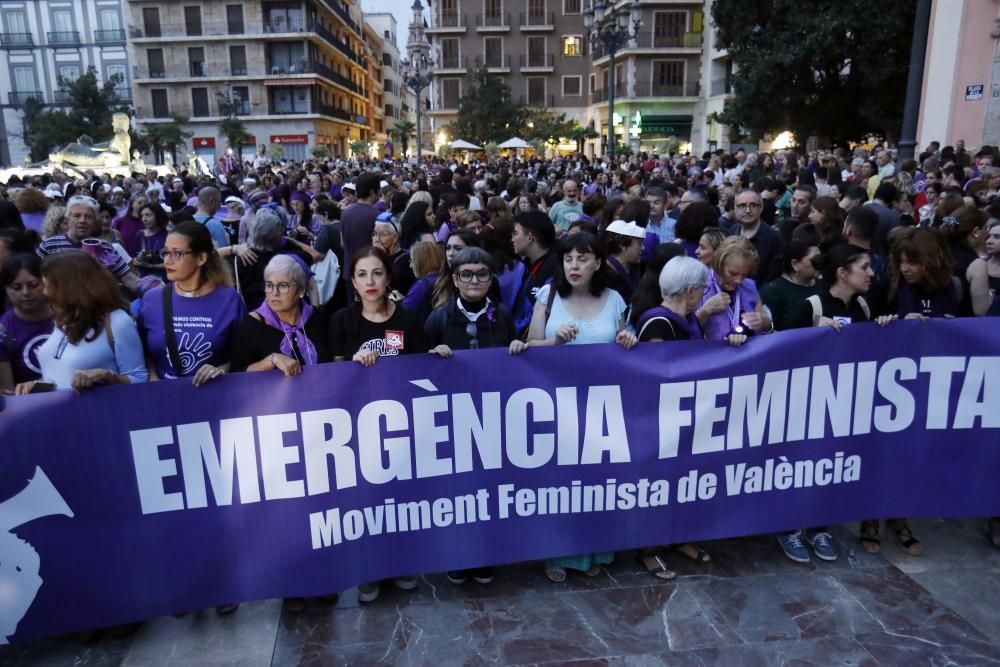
(485, 112)
(492, 152)
(445, 151)
(580, 134)
(402, 133)
(359, 147)
(814, 67)
(235, 132)
(276, 151)
(547, 127)
(162, 137)
(320, 152)
(90, 110)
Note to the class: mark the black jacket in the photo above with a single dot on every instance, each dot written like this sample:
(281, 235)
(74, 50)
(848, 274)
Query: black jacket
(447, 325)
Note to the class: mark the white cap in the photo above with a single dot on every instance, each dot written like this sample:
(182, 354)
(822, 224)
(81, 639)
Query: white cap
(233, 200)
(627, 229)
(348, 186)
(383, 184)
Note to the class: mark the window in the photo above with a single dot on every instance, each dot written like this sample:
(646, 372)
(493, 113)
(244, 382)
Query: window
(156, 69)
(234, 19)
(160, 107)
(449, 53)
(24, 79)
(449, 13)
(62, 20)
(669, 28)
(668, 77)
(69, 73)
(286, 58)
(571, 6)
(493, 51)
(572, 86)
(290, 100)
(241, 100)
(536, 11)
(238, 60)
(593, 83)
(151, 21)
(492, 9)
(121, 89)
(536, 91)
(109, 19)
(16, 22)
(536, 51)
(386, 60)
(572, 45)
(196, 56)
(192, 20)
(287, 18)
(450, 93)
(199, 102)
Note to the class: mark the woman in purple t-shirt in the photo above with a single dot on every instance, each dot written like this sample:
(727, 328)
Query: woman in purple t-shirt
(731, 308)
(204, 310)
(26, 325)
(130, 224)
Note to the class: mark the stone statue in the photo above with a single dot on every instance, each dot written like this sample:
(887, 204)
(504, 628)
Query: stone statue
(138, 165)
(84, 153)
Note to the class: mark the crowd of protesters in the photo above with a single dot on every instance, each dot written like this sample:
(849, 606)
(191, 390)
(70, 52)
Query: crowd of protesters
(134, 279)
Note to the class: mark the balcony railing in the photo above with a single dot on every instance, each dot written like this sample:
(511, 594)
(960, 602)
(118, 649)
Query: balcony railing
(278, 26)
(18, 98)
(60, 97)
(331, 111)
(721, 87)
(494, 61)
(16, 39)
(501, 20)
(451, 62)
(687, 40)
(537, 60)
(443, 102)
(63, 38)
(688, 89)
(536, 100)
(109, 36)
(537, 20)
(340, 10)
(601, 94)
(450, 20)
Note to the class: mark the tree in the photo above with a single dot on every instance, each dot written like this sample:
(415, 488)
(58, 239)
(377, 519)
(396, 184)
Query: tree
(485, 112)
(401, 134)
(320, 152)
(359, 147)
(814, 67)
(90, 109)
(162, 137)
(235, 132)
(580, 134)
(546, 126)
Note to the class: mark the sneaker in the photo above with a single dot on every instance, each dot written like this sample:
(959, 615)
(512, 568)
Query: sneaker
(483, 575)
(456, 576)
(405, 583)
(368, 592)
(822, 544)
(791, 544)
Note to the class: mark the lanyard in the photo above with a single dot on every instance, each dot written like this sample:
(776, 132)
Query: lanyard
(734, 313)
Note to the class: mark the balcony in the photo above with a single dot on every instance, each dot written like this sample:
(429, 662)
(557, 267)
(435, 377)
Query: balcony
(451, 64)
(601, 94)
(331, 111)
(16, 40)
(109, 36)
(494, 62)
(649, 39)
(493, 22)
(279, 26)
(537, 62)
(721, 87)
(687, 89)
(447, 22)
(64, 38)
(541, 101)
(340, 10)
(537, 21)
(444, 104)
(60, 97)
(19, 98)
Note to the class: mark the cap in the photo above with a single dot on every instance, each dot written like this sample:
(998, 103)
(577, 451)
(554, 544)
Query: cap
(117, 189)
(348, 186)
(627, 229)
(231, 199)
(383, 184)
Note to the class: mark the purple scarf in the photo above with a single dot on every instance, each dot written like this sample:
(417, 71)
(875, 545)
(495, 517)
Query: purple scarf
(298, 332)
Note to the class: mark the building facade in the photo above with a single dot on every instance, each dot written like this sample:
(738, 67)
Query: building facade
(960, 96)
(296, 73)
(398, 100)
(670, 79)
(43, 40)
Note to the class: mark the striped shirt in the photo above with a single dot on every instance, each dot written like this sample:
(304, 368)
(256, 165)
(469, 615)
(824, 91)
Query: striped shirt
(111, 258)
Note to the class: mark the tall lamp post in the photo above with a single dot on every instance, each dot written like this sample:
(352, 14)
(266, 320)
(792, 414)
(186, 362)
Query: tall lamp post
(417, 76)
(612, 25)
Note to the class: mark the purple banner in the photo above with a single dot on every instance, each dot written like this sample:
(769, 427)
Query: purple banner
(163, 498)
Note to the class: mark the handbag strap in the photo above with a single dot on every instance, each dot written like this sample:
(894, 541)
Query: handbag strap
(168, 328)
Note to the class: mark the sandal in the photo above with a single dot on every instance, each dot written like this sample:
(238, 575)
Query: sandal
(869, 538)
(993, 529)
(556, 575)
(655, 565)
(694, 552)
(904, 536)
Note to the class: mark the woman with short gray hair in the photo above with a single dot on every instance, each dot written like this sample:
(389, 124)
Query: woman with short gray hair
(283, 333)
(267, 240)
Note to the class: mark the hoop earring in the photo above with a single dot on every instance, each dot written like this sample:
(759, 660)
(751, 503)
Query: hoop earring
(357, 298)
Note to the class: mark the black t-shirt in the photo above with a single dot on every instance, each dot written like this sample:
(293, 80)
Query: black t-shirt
(254, 340)
(350, 332)
(402, 274)
(834, 308)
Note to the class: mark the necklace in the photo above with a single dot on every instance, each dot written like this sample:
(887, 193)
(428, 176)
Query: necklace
(189, 293)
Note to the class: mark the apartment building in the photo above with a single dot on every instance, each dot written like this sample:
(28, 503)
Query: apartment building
(297, 73)
(43, 40)
(398, 100)
(376, 90)
(668, 80)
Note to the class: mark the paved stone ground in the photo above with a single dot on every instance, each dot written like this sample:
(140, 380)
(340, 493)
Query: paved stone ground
(750, 606)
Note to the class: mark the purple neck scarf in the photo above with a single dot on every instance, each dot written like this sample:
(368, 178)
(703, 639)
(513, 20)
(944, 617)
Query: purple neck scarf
(298, 332)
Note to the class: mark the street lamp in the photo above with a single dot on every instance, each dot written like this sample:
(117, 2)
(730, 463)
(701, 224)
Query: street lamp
(612, 25)
(416, 77)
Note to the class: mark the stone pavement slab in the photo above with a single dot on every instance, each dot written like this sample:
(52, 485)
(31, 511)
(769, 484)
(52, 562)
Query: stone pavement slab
(749, 606)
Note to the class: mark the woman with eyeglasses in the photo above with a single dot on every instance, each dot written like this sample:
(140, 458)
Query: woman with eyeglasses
(576, 308)
(285, 333)
(386, 236)
(187, 326)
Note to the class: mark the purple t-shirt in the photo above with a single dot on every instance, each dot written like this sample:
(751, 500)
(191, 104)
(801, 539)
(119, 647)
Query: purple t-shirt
(19, 343)
(357, 222)
(129, 228)
(203, 326)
